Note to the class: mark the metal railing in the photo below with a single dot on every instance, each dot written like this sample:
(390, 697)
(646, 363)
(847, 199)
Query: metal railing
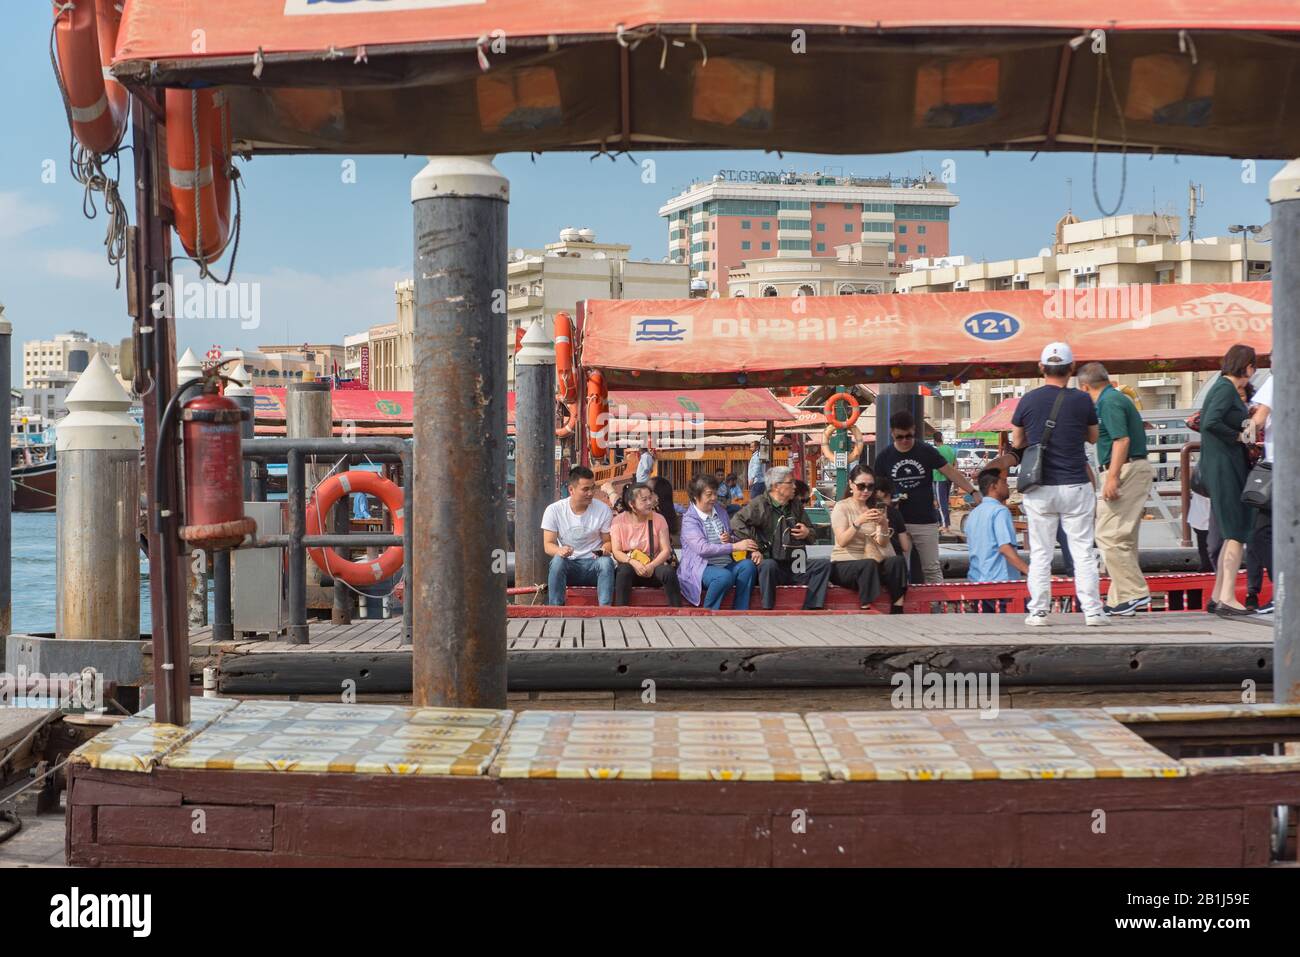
(296, 453)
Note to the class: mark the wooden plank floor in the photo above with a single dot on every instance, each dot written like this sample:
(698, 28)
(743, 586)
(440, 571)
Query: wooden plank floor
(777, 631)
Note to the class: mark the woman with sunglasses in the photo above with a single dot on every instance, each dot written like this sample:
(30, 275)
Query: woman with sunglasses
(861, 556)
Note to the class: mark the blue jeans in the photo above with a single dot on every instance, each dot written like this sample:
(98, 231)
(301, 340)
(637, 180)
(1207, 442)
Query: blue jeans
(718, 579)
(598, 571)
(943, 490)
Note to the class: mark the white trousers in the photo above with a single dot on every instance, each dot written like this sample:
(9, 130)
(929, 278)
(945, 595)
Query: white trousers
(1073, 507)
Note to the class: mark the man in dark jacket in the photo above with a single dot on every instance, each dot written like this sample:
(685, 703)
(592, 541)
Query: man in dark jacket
(778, 523)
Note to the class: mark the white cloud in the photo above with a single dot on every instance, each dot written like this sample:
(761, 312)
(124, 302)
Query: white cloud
(18, 216)
(77, 263)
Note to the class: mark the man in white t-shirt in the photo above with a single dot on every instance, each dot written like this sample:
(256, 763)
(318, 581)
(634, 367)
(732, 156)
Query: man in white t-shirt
(1259, 551)
(575, 533)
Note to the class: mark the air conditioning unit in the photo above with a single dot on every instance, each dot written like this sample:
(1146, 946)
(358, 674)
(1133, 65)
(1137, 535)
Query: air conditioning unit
(1082, 270)
(1018, 277)
(961, 284)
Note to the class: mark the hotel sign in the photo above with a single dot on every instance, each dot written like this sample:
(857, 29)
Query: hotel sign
(749, 176)
(365, 367)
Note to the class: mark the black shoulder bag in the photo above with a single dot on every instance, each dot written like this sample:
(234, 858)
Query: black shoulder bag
(1030, 475)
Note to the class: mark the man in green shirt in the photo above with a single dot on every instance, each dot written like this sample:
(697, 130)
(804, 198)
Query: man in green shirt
(942, 484)
(1122, 455)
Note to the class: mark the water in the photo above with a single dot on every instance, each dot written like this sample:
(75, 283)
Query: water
(34, 574)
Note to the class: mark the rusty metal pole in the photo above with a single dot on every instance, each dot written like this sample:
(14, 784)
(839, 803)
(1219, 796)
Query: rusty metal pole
(457, 567)
(309, 414)
(1284, 195)
(534, 452)
(6, 487)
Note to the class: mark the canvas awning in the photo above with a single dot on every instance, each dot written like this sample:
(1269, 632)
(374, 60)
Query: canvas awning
(354, 405)
(489, 76)
(998, 418)
(710, 343)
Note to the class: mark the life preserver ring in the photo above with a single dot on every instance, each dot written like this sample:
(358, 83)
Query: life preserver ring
(855, 409)
(199, 173)
(566, 388)
(86, 35)
(855, 434)
(597, 415)
(327, 494)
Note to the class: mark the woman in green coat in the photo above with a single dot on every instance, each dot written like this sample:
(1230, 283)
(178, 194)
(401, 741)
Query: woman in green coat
(1223, 470)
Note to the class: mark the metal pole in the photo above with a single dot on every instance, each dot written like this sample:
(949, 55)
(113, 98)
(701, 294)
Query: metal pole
(223, 628)
(893, 397)
(341, 609)
(196, 567)
(1284, 195)
(408, 532)
(534, 452)
(309, 414)
(6, 484)
(297, 553)
(457, 591)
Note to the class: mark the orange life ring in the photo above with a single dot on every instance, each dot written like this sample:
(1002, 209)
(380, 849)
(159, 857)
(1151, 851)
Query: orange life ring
(854, 409)
(327, 494)
(855, 435)
(86, 38)
(199, 172)
(597, 415)
(566, 389)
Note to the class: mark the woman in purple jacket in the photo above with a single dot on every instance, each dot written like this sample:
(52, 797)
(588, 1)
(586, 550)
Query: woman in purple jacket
(708, 569)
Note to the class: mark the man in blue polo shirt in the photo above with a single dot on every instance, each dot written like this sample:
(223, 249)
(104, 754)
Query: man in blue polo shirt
(991, 537)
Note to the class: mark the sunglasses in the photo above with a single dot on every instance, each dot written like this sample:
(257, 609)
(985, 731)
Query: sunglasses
(900, 436)
(863, 486)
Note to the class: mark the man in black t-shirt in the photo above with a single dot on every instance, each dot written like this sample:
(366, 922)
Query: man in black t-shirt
(1066, 496)
(911, 465)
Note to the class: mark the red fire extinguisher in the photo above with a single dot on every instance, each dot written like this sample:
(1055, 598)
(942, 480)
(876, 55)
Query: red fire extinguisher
(214, 481)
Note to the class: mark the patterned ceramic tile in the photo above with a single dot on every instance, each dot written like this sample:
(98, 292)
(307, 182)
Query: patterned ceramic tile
(137, 744)
(1203, 712)
(669, 746)
(971, 746)
(1244, 764)
(357, 739)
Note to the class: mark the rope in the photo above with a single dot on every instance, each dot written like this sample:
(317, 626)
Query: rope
(87, 168)
(1096, 116)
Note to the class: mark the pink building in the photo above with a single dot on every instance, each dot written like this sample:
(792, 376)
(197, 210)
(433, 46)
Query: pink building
(749, 214)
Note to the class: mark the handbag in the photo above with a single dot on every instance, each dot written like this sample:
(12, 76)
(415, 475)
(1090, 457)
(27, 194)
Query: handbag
(1194, 421)
(1259, 486)
(1030, 475)
(1196, 483)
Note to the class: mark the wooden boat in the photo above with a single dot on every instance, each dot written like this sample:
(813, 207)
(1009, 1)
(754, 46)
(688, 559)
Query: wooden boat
(34, 486)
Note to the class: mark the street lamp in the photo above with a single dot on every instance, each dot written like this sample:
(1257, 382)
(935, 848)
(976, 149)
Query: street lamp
(1248, 231)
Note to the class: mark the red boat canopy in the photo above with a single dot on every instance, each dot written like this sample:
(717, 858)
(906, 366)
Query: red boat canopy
(487, 76)
(712, 343)
(998, 418)
(355, 405)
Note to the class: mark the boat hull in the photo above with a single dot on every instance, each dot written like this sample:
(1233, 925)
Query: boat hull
(34, 487)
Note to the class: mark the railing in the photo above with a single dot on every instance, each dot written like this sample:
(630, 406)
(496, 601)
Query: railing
(295, 453)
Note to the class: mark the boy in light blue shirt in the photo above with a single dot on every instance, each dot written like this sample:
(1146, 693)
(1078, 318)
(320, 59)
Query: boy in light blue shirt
(991, 536)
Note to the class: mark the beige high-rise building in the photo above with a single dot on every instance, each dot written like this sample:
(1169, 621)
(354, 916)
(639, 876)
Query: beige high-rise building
(1114, 251)
(68, 353)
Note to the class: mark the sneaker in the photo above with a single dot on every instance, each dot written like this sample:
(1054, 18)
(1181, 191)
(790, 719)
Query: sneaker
(1095, 621)
(1252, 601)
(1141, 604)
(1036, 619)
(1125, 609)
(1265, 609)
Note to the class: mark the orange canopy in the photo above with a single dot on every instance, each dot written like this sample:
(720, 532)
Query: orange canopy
(711, 343)
(998, 418)
(487, 76)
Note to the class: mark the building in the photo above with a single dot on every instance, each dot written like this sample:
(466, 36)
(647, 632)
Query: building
(716, 225)
(557, 277)
(322, 356)
(356, 357)
(67, 352)
(857, 269)
(1114, 251)
(385, 373)
(273, 369)
(47, 396)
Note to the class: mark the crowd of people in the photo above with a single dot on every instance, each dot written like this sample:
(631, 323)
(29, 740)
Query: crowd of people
(895, 509)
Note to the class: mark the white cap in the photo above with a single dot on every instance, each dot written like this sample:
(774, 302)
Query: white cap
(1057, 354)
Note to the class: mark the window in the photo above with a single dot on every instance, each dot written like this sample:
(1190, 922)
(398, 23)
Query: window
(931, 213)
(769, 290)
(767, 225)
(745, 207)
(921, 230)
(766, 246)
(713, 246)
(902, 230)
(793, 204)
(797, 224)
(902, 248)
(821, 227)
(821, 247)
(877, 228)
(744, 224)
(800, 244)
(848, 227)
(848, 205)
(920, 250)
(744, 244)
(821, 205)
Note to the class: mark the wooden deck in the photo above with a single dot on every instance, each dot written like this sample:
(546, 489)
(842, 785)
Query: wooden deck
(769, 650)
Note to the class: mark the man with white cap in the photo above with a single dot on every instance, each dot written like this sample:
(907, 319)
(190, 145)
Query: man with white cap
(1059, 420)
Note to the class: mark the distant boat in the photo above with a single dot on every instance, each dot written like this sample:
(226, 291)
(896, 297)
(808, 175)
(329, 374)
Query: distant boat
(34, 486)
(32, 462)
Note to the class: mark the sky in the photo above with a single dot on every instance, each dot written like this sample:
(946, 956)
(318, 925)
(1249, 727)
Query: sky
(325, 252)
